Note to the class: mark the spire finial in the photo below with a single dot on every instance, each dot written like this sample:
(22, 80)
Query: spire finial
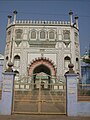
(76, 20)
(9, 19)
(15, 13)
(70, 15)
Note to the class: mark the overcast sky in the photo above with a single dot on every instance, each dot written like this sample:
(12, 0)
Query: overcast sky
(47, 10)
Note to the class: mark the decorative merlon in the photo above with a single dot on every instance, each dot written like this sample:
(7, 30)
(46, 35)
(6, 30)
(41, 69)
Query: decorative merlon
(43, 22)
(33, 22)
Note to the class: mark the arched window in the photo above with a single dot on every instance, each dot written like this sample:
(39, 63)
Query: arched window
(51, 35)
(7, 61)
(7, 58)
(66, 61)
(18, 33)
(16, 72)
(33, 34)
(16, 76)
(17, 61)
(42, 35)
(77, 63)
(66, 34)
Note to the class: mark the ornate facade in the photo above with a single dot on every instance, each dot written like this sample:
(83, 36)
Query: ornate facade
(42, 46)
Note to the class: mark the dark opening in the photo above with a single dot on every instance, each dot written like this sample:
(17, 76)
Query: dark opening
(44, 69)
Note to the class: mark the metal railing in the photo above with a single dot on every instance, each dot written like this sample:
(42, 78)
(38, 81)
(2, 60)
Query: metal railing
(84, 92)
(0, 93)
(39, 97)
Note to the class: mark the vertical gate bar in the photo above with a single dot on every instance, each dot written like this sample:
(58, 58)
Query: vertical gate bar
(13, 104)
(39, 102)
(50, 98)
(64, 96)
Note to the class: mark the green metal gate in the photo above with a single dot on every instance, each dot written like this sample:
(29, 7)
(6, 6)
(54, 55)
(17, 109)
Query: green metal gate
(39, 98)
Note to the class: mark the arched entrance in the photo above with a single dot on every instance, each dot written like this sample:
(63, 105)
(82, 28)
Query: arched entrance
(41, 76)
(42, 69)
(42, 65)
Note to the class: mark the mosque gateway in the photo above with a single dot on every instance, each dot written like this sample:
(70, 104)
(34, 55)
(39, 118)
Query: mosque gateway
(42, 47)
(41, 52)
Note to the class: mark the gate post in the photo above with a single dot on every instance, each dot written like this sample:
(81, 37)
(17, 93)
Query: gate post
(1, 69)
(71, 91)
(7, 91)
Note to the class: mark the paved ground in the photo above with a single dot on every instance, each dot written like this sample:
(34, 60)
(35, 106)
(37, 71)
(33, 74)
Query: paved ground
(41, 117)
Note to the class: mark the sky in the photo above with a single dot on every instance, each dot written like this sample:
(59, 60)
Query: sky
(47, 10)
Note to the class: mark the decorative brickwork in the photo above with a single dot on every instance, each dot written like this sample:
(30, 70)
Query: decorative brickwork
(42, 61)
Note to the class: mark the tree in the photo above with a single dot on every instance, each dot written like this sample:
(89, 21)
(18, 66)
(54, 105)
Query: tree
(87, 58)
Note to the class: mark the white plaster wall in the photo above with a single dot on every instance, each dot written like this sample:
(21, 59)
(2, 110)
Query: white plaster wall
(56, 55)
(51, 57)
(32, 56)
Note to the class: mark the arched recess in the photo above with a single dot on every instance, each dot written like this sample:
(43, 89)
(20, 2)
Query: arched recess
(67, 60)
(42, 34)
(77, 63)
(7, 58)
(17, 61)
(16, 72)
(16, 75)
(18, 33)
(42, 65)
(51, 34)
(33, 34)
(7, 61)
(42, 70)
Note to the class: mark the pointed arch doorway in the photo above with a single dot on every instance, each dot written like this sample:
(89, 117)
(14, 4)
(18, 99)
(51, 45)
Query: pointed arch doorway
(42, 76)
(42, 69)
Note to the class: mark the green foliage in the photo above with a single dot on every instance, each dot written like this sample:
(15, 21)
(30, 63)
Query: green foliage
(86, 60)
(88, 92)
(85, 92)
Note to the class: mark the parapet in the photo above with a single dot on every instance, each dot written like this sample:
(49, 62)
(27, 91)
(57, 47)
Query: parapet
(43, 22)
(33, 22)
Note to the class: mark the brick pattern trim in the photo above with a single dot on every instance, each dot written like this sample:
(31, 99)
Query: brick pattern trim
(42, 61)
